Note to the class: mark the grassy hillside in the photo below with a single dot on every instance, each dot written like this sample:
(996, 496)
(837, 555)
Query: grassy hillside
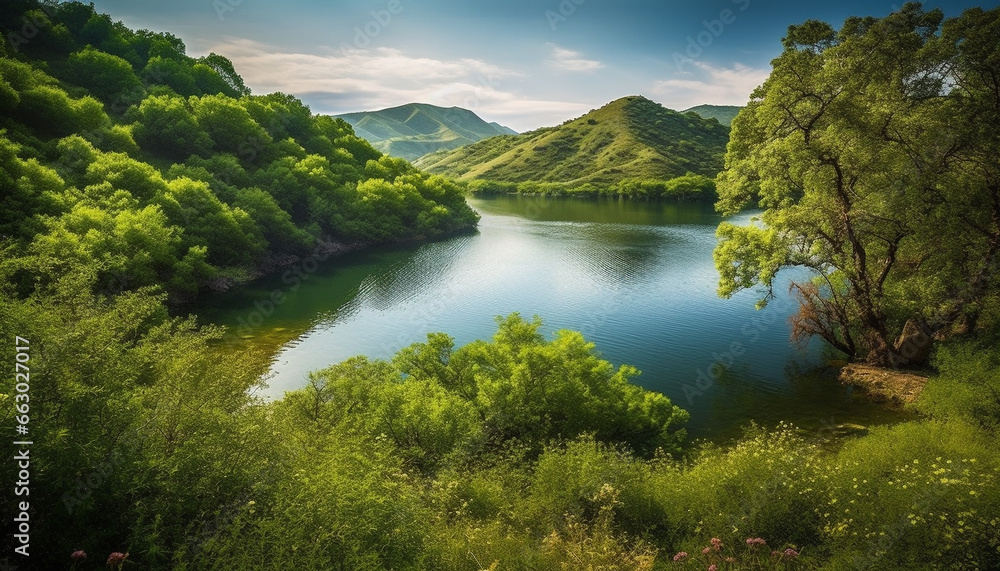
(413, 130)
(630, 138)
(722, 113)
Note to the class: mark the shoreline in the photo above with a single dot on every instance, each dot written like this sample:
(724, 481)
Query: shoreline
(891, 386)
(326, 247)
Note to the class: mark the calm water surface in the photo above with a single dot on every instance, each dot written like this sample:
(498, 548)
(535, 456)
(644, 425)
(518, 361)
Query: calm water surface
(637, 278)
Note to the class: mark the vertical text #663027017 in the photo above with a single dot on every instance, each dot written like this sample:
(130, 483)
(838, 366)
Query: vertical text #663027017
(22, 520)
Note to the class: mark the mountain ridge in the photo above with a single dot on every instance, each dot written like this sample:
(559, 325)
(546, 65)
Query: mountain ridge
(412, 130)
(722, 113)
(630, 137)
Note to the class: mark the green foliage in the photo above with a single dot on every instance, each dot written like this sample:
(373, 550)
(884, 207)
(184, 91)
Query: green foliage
(592, 483)
(183, 138)
(435, 401)
(235, 236)
(165, 125)
(230, 126)
(106, 76)
(968, 387)
(28, 190)
(136, 418)
(530, 389)
(766, 485)
(873, 170)
(915, 496)
(275, 224)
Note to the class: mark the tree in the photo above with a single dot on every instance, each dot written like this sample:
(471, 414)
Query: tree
(27, 189)
(165, 124)
(106, 76)
(227, 72)
(173, 73)
(231, 127)
(869, 151)
(232, 237)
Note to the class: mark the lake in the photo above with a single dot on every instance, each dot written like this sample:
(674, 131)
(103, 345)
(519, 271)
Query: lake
(637, 278)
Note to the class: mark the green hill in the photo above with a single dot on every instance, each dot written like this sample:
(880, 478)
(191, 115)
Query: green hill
(415, 129)
(722, 113)
(631, 138)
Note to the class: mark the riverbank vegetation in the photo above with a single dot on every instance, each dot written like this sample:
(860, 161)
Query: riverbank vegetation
(524, 451)
(688, 188)
(516, 452)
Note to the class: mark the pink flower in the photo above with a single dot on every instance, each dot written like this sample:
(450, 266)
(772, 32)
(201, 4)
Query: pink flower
(752, 541)
(117, 558)
(790, 553)
(716, 543)
(713, 567)
(706, 551)
(78, 555)
(681, 556)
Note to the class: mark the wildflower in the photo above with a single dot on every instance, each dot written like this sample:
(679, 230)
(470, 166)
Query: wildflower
(754, 541)
(730, 560)
(790, 553)
(713, 567)
(716, 543)
(706, 551)
(116, 559)
(78, 555)
(681, 556)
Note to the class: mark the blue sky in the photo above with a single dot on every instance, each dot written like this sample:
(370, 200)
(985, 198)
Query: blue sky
(525, 64)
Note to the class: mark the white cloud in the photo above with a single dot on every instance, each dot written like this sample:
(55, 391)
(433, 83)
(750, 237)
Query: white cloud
(346, 80)
(710, 85)
(380, 74)
(569, 60)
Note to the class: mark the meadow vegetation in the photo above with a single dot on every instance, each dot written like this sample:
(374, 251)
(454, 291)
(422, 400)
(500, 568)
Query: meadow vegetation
(523, 451)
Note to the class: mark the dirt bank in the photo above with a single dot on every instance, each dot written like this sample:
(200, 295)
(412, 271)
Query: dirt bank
(893, 386)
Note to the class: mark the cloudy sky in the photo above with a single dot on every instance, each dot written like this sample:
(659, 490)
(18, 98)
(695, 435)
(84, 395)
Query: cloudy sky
(523, 63)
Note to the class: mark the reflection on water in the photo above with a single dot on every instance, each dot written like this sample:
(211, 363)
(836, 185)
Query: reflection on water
(637, 278)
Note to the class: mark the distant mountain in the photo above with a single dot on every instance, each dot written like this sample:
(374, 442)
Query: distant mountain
(722, 113)
(415, 129)
(630, 138)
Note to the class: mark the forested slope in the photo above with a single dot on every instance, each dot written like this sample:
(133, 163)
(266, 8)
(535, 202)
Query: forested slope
(121, 152)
